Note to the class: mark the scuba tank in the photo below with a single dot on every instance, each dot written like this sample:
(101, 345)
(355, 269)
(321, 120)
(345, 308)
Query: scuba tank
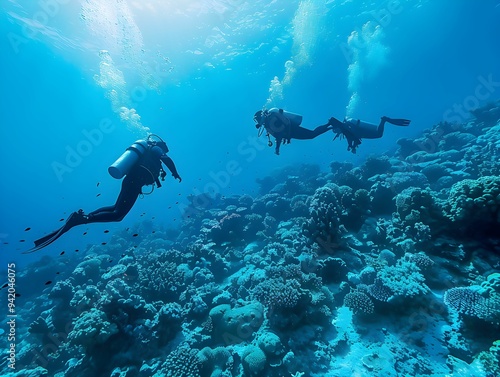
(127, 160)
(360, 124)
(295, 119)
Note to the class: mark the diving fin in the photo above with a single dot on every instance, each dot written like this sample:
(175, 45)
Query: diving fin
(399, 122)
(47, 240)
(49, 236)
(74, 219)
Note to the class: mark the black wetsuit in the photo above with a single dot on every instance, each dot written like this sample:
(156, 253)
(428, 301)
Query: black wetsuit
(146, 172)
(354, 131)
(279, 126)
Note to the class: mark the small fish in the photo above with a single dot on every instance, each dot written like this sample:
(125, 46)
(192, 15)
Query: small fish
(135, 235)
(98, 195)
(57, 273)
(76, 250)
(84, 233)
(61, 219)
(110, 261)
(103, 243)
(18, 295)
(27, 229)
(170, 207)
(153, 218)
(154, 231)
(176, 202)
(106, 231)
(5, 285)
(61, 253)
(98, 184)
(22, 240)
(48, 282)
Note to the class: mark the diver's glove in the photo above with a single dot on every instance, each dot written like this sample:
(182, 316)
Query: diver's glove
(177, 176)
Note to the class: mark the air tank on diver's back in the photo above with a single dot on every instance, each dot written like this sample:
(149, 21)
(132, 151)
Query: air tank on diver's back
(128, 159)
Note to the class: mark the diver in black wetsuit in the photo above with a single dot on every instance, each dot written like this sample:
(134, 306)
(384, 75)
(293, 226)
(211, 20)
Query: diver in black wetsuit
(141, 164)
(354, 129)
(285, 126)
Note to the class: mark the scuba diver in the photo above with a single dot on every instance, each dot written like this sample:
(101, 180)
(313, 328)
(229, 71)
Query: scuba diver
(285, 126)
(141, 164)
(354, 129)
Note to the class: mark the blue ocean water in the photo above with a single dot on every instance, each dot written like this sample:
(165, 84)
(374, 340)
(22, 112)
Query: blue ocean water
(82, 80)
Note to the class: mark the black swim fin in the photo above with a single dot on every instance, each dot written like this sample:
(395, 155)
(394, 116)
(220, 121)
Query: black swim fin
(76, 218)
(49, 236)
(47, 240)
(399, 122)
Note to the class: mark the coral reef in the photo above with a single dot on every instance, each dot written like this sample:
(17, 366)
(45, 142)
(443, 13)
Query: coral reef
(386, 268)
